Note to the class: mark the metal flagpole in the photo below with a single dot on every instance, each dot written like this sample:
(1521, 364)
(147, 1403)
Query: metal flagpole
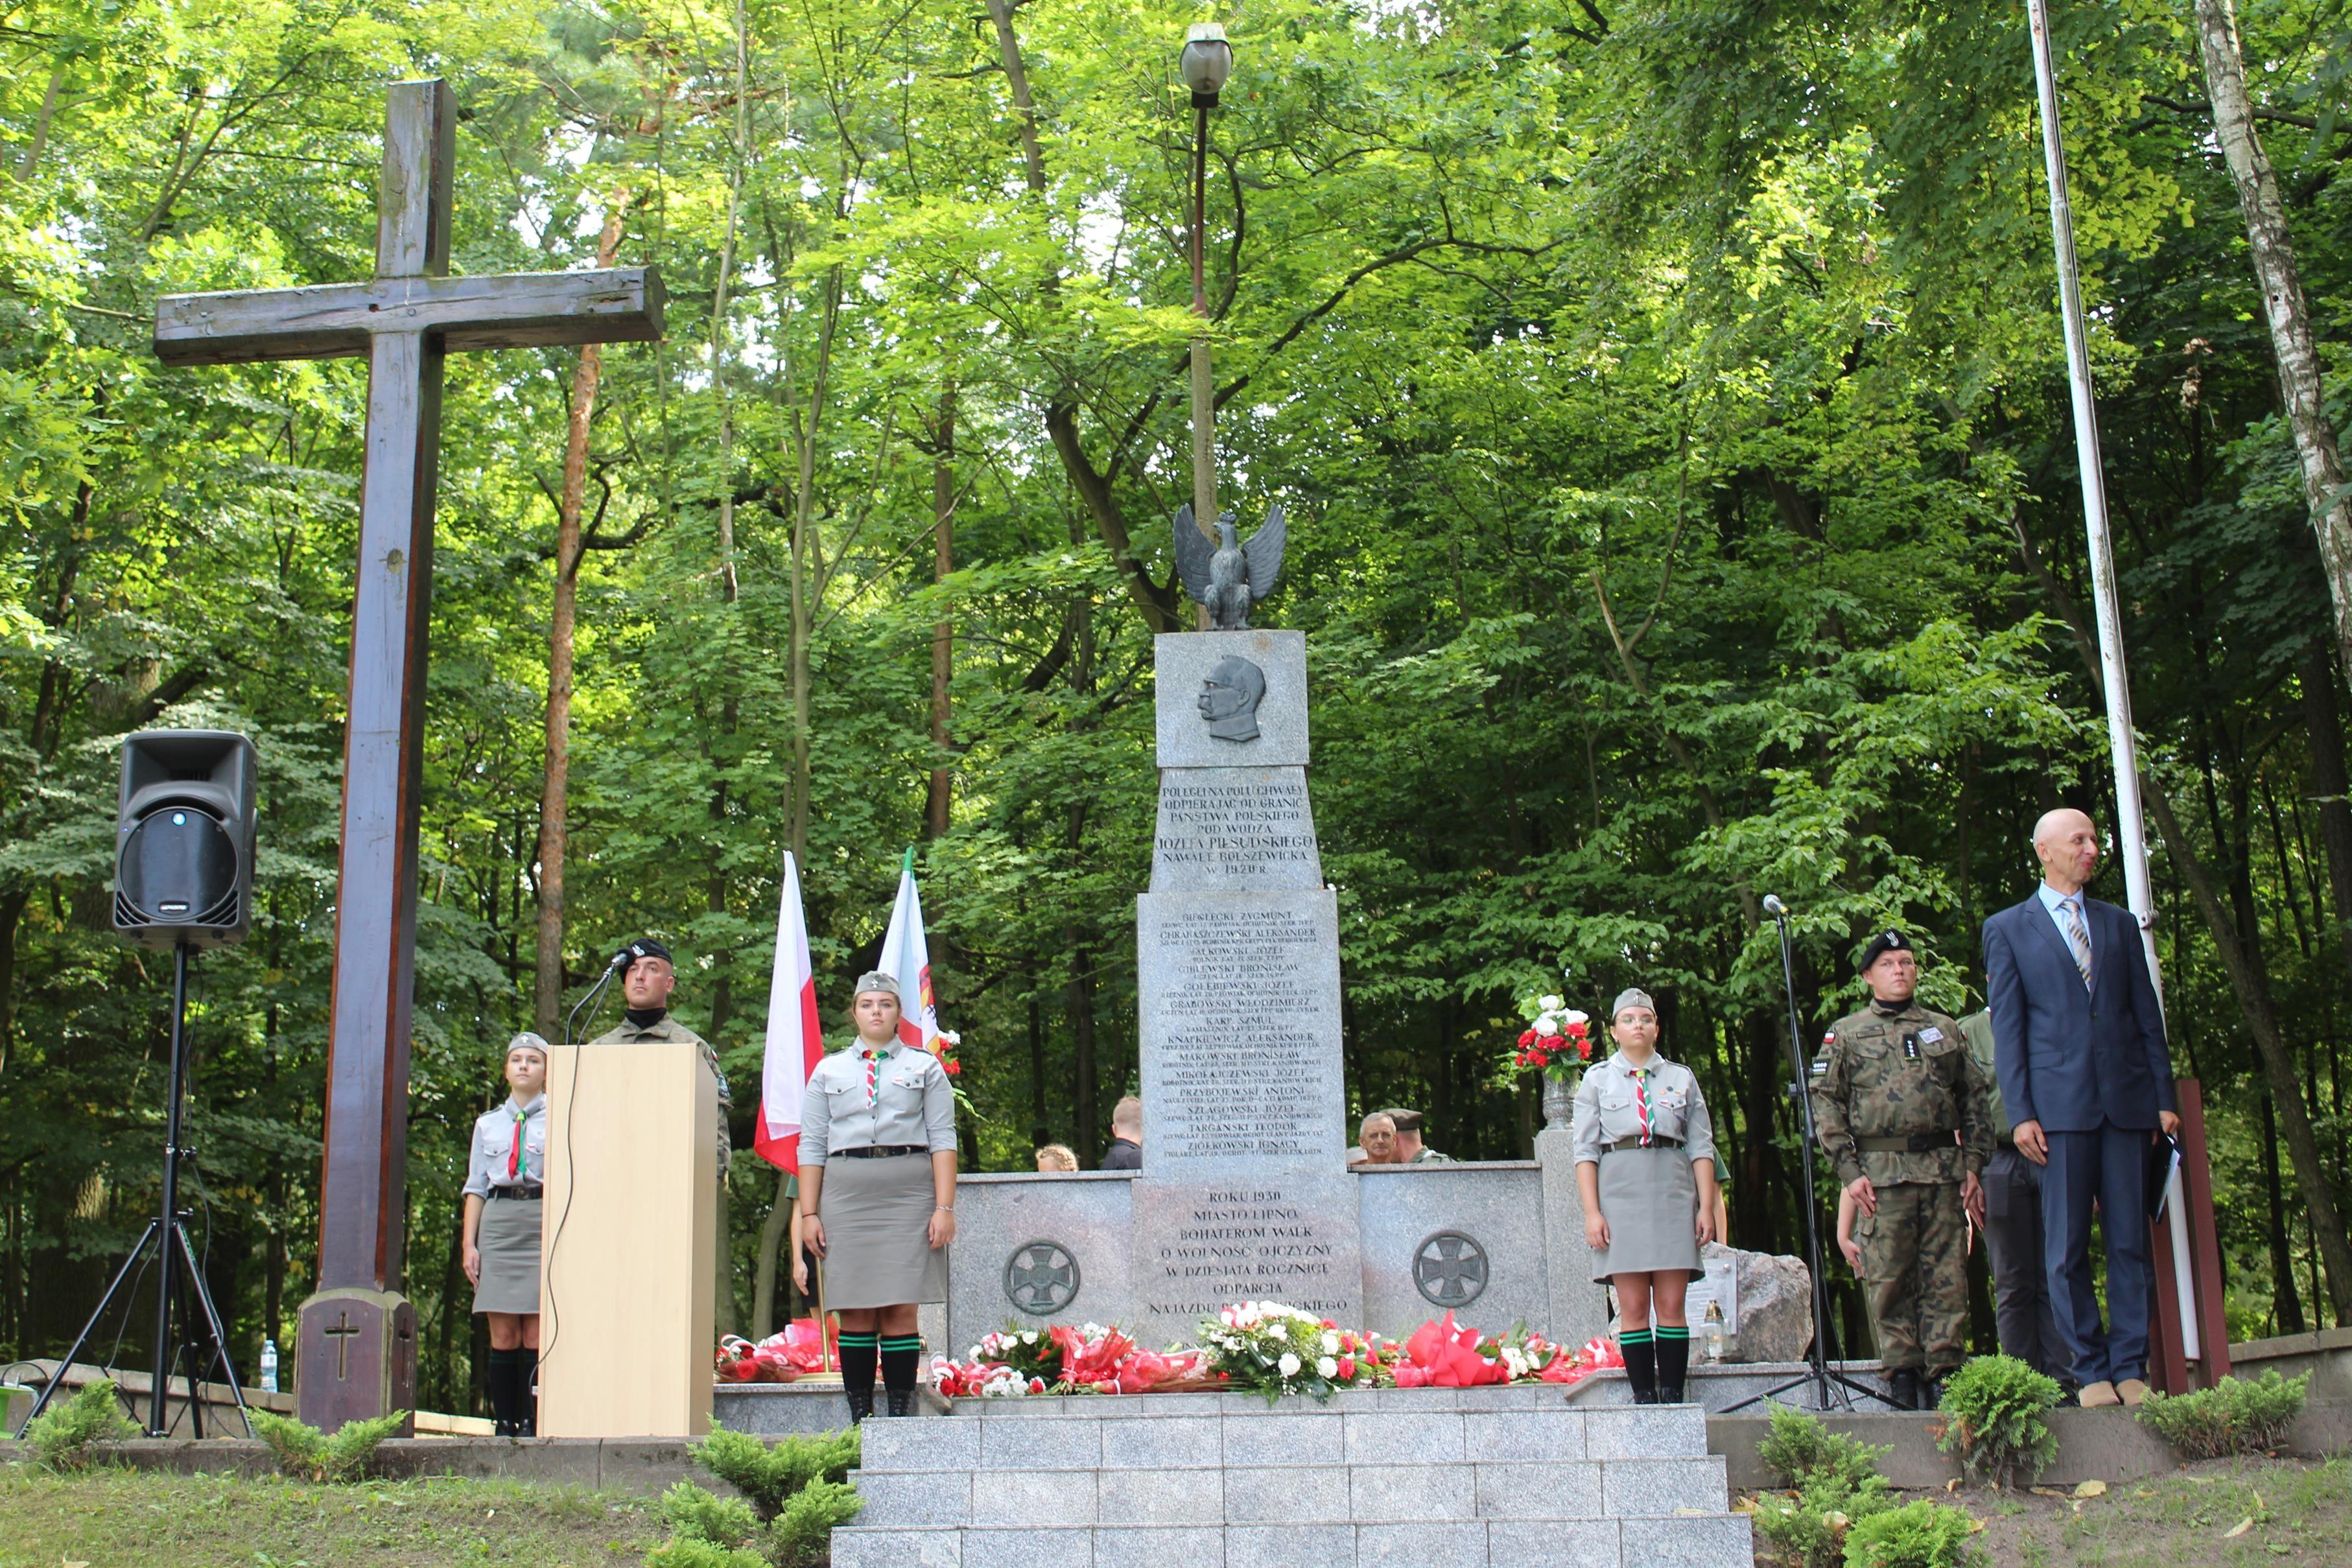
(2131, 832)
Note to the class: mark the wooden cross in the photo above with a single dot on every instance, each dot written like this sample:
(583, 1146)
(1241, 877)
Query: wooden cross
(343, 1334)
(405, 320)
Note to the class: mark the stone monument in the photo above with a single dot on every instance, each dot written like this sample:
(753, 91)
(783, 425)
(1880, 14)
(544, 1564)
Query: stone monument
(1244, 1193)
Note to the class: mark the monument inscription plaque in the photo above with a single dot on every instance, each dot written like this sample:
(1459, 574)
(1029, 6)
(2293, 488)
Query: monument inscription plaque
(1234, 828)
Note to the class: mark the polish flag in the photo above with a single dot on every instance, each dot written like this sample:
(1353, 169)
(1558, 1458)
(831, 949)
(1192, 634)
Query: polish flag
(907, 959)
(795, 1042)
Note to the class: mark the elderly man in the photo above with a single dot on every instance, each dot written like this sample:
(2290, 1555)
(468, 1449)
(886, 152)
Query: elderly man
(2079, 1050)
(1375, 1141)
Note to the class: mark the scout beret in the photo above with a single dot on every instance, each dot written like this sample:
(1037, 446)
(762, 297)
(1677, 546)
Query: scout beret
(1885, 942)
(875, 980)
(527, 1039)
(1631, 997)
(642, 947)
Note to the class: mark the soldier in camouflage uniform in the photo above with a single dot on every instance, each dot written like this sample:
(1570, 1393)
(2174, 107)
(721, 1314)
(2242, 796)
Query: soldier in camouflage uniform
(1902, 1112)
(645, 985)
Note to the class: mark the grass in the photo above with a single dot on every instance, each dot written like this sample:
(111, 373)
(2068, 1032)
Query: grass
(2293, 1514)
(131, 1519)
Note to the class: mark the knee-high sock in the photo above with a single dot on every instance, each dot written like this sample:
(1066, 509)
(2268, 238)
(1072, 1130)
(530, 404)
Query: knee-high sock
(1641, 1364)
(499, 1377)
(859, 1354)
(1674, 1357)
(900, 1355)
(527, 1390)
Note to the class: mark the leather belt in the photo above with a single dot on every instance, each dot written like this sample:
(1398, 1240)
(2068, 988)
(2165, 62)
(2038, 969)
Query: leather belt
(882, 1151)
(1910, 1143)
(519, 1193)
(1623, 1146)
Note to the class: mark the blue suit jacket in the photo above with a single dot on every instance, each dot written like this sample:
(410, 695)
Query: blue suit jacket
(2067, 1058)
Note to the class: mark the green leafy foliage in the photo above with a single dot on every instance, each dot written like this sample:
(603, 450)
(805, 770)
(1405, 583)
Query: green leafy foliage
(1921, 1534)
(695, 1513)
(303, 1451)
(1995, 1419)
(1809, 1530)
(2236, 1416)
(772, 1474)
(687, 1551)
(799, 1536)
(65, 1437)
(797, 1492)
(1804, 1452)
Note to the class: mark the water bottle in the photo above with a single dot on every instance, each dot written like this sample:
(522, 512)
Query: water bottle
(1713, 1328)
(270, 1367)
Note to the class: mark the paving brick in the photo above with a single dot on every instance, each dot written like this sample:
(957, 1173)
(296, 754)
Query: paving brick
(1721, 1541)
(1164, 1442)
(1142, 1497)
(1408, 1437)
(1289, 1545)
(856, 1547)
(1043, 1499)
(1507, 1435)
(1264, 1440)
(1591, 1543)
(897, 1499)
(1654, 1487)
(1046, 1445)
(1029, 1549)
(1380, 1494)
(1536, 1490)
(1433, 1544)
(1295, 1495)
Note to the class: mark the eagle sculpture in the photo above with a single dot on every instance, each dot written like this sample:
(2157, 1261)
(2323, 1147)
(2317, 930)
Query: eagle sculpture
(1227, 578)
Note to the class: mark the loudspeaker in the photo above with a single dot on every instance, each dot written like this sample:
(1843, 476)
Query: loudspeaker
(183, 835)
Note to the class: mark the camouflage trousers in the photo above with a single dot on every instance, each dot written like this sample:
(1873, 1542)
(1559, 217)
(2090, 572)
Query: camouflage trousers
(1914, 1262)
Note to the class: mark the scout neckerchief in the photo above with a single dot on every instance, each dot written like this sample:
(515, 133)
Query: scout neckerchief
(514, 1156)
(1641, 1100)
(874, 1055)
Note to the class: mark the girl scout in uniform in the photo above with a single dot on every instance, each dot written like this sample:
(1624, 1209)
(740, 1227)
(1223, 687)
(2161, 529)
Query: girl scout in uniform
(877, 1194)
(503, 1179)
(1645, 1165)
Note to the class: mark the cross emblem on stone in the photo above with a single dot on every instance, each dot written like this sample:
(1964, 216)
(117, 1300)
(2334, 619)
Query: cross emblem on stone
(405, 320)
(342, 1333)
(1450, 1268)
(1041, 1276)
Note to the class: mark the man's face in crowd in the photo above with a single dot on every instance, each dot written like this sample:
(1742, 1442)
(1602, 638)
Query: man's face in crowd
(2067, 842)
(1379, 1138)
(648, 983)
(1893, 976)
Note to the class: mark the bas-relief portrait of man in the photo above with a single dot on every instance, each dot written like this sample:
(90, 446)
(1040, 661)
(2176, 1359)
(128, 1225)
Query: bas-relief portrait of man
(1230, 694)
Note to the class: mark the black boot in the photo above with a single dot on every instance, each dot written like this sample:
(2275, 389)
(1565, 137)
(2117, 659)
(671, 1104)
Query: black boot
(1672, 1349)
(859, 1354)
(499, 1380)
(1903, 1388)
(901, 1357)
(1641, 1364)
(526, 1393)
(902, 1401)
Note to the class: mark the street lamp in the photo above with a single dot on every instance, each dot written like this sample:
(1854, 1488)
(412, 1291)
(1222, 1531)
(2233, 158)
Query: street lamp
(1206, 63)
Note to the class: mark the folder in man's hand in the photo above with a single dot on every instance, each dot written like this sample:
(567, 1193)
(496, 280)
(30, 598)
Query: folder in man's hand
(2163, 1157)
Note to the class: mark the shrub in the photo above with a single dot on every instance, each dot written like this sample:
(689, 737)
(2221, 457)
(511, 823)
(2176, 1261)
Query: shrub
(304, 1453)
(694, 1514)
(2237, 1416)
(1810, 1529)
(66, 1437)
(1995, 1409)
(801, 1536)
(1800, 1451)
(1920, 1534)
(772, 1476)
(685, 1551)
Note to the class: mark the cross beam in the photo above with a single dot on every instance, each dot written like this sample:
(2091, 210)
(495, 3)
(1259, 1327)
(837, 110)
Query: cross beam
(405, 321)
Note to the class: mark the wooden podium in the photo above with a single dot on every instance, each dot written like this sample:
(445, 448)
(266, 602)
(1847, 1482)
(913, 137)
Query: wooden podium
(628, 1249)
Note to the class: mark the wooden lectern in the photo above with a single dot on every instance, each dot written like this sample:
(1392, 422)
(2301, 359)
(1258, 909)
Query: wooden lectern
(628, 1249)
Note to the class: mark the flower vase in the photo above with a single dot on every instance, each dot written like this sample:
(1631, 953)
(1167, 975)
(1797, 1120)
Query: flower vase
(1559, 1103)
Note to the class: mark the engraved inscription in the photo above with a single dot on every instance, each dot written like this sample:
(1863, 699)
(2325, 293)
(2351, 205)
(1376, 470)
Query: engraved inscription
(1235, 827)
(1217, 1244)
(1240, 1062)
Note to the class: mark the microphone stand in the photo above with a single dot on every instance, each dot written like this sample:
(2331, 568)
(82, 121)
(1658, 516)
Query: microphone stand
(1820, 1374)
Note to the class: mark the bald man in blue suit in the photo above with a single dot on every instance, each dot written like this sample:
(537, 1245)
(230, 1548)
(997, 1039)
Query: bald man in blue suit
(2079, 1051)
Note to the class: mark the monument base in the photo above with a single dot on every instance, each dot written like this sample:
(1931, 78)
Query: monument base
(355, 1355)
(1202, 1246)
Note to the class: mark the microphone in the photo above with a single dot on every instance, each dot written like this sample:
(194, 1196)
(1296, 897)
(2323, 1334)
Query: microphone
(1774, 907)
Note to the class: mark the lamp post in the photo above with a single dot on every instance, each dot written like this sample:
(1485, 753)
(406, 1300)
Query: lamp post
(1206, 62)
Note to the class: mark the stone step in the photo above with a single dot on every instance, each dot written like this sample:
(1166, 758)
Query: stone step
(1691, 1541)
(1063, 1435)
(1531, 1488)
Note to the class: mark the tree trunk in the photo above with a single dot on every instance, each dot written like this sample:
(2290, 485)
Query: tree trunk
(803, 513)
(554, 831)
(2286, 1306)
(2324, 720)
(2285, 307)
(937, 808)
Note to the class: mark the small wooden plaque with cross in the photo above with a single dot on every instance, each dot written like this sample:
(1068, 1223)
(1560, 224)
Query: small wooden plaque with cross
(405, 320)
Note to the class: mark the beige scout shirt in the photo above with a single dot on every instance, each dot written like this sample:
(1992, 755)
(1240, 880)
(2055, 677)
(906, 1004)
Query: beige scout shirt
(905, 1100)
(1606, 1109)
(667, 1028)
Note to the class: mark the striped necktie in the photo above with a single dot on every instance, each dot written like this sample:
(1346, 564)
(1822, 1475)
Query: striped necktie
(1641, 1101)
(514, 1156)
(874, 1056)
(2078, 937)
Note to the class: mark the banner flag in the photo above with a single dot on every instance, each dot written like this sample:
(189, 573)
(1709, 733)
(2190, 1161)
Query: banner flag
(796, 1041)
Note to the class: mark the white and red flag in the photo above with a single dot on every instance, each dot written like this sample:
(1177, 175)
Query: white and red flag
(907, 959)
(795, 1042)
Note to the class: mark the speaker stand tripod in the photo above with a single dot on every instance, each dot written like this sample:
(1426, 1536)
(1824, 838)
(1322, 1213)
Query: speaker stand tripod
(203, 1344)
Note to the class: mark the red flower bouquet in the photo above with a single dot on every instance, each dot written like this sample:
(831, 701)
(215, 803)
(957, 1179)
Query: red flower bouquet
(1557, 1042)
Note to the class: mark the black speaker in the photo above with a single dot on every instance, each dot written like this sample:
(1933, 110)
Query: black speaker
(183, 838)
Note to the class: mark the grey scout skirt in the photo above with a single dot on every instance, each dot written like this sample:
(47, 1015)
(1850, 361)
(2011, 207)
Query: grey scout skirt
(509, 1237)
(876, 1216)
(1650, 1201)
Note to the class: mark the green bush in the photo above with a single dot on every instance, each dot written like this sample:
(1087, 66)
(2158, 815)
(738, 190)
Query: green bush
(2238, 1415)
(66, 1437)
(772, 1476)
(685, 1551)
(1811, 1529)
(1995, 1410)
(801, 1536)
(1800, 1451)
(1920, 1534)
(694, 1514)
(304, 1453)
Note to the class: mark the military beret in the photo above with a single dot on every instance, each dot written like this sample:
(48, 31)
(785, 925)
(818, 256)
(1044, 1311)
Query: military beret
(875, 980)
(1885, 942)
(642, 947)
(1633, 997)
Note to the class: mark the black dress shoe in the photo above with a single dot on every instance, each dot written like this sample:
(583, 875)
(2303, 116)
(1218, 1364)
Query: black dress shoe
(1671, 1394)
(1903, 1388)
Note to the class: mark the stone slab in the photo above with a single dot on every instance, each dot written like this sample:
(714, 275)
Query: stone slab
(856, 1546)
(1424, 1544)
(1278, 1236)
(1468, 1238)
(1582, 1544)
(1183, 662)
(1063, 1245)
(1238, 997)
(1723, 1540)
(1030, 1549)
(778, 1409)
(1234, 830)
(1578, 1307)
